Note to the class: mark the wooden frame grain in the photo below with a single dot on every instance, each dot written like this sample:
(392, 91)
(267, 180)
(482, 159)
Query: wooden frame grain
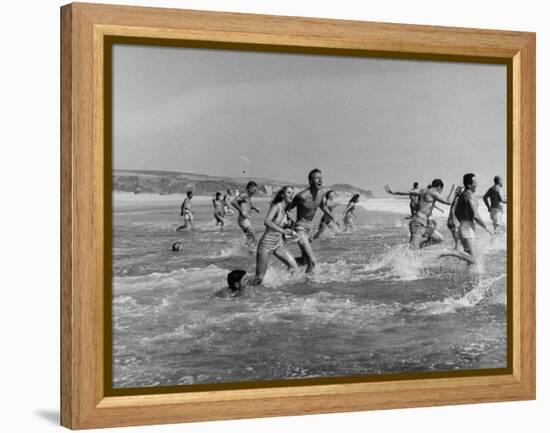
(84, 29)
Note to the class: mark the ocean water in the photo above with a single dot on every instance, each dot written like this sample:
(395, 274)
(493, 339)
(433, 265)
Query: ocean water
(371, 307)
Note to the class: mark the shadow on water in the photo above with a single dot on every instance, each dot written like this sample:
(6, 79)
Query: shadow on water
(50, 415)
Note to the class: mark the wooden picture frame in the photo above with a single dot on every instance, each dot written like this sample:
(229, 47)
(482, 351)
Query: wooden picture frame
(86, 30)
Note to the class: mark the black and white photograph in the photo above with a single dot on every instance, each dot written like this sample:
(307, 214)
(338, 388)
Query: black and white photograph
(281, 216)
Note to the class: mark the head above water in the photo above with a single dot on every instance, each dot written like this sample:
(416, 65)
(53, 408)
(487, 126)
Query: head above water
(470, 182)
(235, 280)
(315, 178)
(498, 180)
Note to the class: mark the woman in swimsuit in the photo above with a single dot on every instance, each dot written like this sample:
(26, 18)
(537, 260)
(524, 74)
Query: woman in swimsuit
(276, 223)
(349, 213)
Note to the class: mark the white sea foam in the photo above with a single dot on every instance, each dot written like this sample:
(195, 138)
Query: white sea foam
(484, 289)
(236, 249)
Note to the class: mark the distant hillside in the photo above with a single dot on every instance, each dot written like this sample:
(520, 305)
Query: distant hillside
(350, 189)
(172, 182)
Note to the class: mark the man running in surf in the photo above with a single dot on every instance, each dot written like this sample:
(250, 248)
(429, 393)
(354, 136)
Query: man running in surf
(413, 204)
(187, 212)
(427, 198)
(243, 203)
(467, 215)
(306, 203)
(493, 199)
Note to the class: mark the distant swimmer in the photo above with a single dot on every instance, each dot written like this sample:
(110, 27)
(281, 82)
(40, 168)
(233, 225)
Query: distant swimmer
(243, 204)
(427, 199)
(218, 209)
(349, 213)
(176, 246)
(306, 203)
(277, 228)
(187, 212)
(227, 198)
(467, 215)
(326, 222)
(452, 221)
(493, 199)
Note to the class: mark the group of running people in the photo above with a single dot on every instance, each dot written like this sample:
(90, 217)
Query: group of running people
(280, 227)
(463, 214)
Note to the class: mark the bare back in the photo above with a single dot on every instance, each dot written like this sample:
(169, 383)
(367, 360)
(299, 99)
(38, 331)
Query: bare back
(426, 203)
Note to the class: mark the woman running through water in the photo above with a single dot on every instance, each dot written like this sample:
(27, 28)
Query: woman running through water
(326, 222)
(276, 223)
(218, 209)
(349, 213)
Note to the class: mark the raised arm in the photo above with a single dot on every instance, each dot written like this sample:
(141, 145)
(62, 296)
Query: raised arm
(451, 193)
(438, 199)
(408, 193)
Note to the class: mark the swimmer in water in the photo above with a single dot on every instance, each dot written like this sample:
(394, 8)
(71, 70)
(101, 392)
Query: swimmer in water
(243, 204)
(187, 212)
(218, 209)
(326, 222)
(349, 213)
(176, 246)
(237, 282)
(277, 228)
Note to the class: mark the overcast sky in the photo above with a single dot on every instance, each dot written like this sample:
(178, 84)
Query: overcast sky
(362, 121)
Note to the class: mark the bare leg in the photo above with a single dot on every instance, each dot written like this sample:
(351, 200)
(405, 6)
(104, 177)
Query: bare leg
(469, 255)
(262, 260)
(307, 253)
(284, 256)
(322, 228)
(415, 240)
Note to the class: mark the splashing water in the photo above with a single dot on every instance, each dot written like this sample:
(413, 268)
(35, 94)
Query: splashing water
(371, 306)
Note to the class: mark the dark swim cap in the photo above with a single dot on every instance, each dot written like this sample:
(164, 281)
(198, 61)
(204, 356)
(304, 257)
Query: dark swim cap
(235, 277)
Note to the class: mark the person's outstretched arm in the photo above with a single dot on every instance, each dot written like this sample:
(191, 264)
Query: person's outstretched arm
(407, 193)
